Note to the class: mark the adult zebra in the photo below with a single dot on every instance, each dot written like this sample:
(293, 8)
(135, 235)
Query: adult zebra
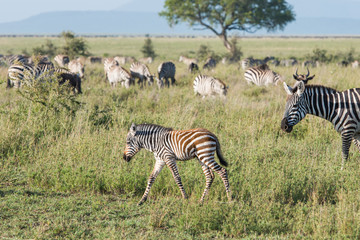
(170, 146)
(342, 109)
(167, 70)
(209, 86)
(142, 72)
(262, 75)
(26, 73)
(18, 72)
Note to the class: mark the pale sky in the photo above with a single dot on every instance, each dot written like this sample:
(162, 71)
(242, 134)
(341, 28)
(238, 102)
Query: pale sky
(14, 10)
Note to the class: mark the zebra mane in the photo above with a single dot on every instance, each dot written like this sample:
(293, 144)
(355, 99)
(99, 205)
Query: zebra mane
(329, 89)
(147, 126)
(263, 67)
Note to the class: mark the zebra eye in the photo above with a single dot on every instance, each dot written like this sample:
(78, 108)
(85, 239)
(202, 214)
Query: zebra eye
(128, 142)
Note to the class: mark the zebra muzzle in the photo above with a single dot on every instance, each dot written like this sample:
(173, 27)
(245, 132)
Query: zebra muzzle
(126, 158)
(285, 127)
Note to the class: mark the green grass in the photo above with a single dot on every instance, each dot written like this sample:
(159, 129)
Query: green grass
(63, 176)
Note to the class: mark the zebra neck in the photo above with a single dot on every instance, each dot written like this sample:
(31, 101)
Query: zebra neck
(321, 102)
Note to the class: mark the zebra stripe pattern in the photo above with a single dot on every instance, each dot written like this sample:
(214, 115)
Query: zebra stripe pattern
(167, 70)
(261, 75)
(142, 72)
(209, 86)
(342, 109)
(170, 146)
(26, 73)
(18, 72)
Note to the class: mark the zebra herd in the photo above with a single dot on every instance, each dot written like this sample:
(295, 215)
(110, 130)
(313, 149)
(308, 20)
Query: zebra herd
(342, 109)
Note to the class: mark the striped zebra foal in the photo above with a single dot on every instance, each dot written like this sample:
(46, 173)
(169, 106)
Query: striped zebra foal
(342, 109)
(262, 75)
(170, 146)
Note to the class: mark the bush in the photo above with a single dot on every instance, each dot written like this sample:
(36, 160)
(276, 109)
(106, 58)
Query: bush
(148, 48)
(74, 46)
(48, 49)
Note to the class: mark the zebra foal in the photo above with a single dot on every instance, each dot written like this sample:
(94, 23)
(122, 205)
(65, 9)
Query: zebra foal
(342, 109)
(169, 146)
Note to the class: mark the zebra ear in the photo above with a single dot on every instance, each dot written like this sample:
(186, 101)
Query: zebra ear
(300, 88)
(288, 89)
(133, 128)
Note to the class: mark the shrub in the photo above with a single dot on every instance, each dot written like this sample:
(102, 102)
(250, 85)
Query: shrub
(148, 48)
(74, 46)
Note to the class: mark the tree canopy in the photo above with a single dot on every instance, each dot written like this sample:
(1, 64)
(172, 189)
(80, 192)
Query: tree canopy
(222, 16)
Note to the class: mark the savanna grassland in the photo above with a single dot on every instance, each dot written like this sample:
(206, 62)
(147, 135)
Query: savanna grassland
(62, 174)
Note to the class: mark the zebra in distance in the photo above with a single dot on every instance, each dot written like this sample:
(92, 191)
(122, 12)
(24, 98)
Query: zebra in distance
(76, 66)
(17, 73)
(108, 62)
(209, 86)
(193, 67)
(117, 74)
(187, 60)
(142, 72)
(16, 59)
(146, 60)
(169, 146)
(61, 60)
(262, 75)
(210, 63)
(342, 109)
(167, 70)
(251, 62)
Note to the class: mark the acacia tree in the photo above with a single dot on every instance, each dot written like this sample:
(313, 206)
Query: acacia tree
(222, 16)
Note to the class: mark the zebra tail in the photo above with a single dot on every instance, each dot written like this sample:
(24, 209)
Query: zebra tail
(220, 156)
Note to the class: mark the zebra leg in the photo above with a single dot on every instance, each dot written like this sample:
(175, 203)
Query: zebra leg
(159, 164)
(346, 137)
(209, 175)
(213, 165)
(171, 163)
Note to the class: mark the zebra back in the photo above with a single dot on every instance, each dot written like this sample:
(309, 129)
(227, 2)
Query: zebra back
(209, 86)
(261, 75)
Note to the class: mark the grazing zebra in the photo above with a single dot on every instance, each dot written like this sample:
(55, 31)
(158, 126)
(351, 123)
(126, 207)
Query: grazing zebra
(342, 109)
(108, 62)
(142, 72)
(124, 60)
(62, 60)
(19, 72)
(262, 75)
(170, 146)
(193, 67)
(146, 60)
(187, 60)
(94, 60)
(77, 67)
(247, 63)
(66, 76)
(167, 70)
(12, 59)
(209, 86)
(288, 62)
(118, 74)
(210, 63)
